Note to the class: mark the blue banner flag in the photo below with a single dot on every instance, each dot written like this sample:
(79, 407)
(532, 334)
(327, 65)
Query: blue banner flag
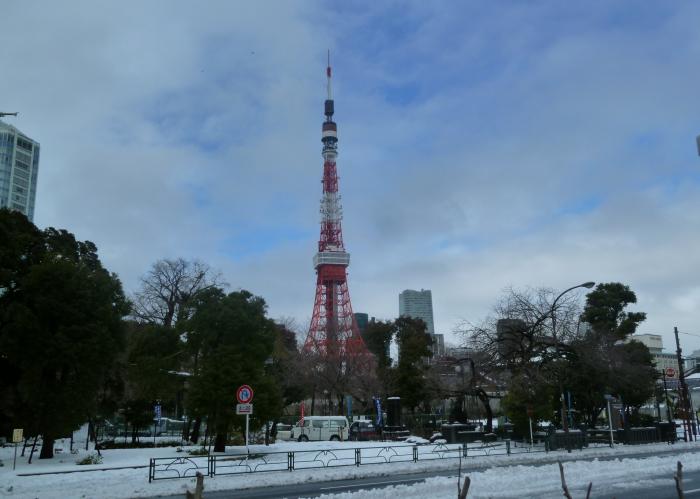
(378, 406)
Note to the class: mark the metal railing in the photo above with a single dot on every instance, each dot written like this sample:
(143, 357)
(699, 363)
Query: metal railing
(162, 468)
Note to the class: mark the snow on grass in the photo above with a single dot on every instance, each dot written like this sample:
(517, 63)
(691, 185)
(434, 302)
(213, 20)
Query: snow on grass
(125, 483)
(529, 481)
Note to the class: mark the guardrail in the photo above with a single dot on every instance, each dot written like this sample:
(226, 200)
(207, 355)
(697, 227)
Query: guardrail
(163, 468)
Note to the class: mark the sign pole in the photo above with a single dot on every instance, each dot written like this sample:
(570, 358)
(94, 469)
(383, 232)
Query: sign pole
(17, 436)
(246, 432)
(612, 440)
(244, 394)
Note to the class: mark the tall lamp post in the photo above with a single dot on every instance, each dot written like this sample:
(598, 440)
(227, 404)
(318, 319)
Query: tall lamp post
(589, 285)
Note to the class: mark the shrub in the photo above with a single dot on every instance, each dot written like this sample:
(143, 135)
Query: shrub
(202, 451)
(111, 444)
(90, 459)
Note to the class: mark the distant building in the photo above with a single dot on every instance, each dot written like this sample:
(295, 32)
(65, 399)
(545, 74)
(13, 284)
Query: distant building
(655, 344)
(419, 305)
(438, 345)
(19, 168)
(362, 322)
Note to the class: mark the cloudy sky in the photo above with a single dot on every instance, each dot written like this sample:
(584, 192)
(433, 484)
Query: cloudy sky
(482, 144)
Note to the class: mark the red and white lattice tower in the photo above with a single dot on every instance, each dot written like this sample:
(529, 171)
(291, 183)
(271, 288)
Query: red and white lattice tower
(333, 330)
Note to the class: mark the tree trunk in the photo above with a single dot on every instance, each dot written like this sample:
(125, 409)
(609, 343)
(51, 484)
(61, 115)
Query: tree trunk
(194, 437)
(134, 433)
(186, 430)
(31, 454)
(89, 435)
(484, 398)
(220, 442)
(46, 447)
(93, 437)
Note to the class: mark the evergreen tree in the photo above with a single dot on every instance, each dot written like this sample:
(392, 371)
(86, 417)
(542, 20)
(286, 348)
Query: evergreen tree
(235, 339)
(414, 351)
(603, 360)
(60, 328)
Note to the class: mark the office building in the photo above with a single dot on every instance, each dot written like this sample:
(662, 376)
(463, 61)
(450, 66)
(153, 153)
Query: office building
(19, 168)
(663, 360)
(419, 305)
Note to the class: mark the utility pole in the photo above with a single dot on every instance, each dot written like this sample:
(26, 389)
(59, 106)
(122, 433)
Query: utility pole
(668, 405)
(683, 392)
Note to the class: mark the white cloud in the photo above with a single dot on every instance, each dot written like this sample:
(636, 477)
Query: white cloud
(479, 149)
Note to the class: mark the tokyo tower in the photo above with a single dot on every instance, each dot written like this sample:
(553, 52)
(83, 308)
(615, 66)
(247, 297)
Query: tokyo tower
(333, 330)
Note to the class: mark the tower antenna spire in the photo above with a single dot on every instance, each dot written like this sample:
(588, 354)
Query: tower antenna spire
(328, 74)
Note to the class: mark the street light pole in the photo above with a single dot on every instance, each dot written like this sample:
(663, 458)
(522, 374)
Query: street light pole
(589, 285)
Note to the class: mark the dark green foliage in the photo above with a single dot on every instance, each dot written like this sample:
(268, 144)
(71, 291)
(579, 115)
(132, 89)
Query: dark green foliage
(60, 328)
(153, 359)
(377, 338)
(603, 361)
(605, 311)
(410, 374)
(235, 340)
(522, 395)
(285, 366)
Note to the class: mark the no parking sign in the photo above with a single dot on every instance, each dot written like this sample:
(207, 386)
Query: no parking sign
(244, 394)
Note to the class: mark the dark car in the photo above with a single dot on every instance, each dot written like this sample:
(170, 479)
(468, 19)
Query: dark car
(363, 430)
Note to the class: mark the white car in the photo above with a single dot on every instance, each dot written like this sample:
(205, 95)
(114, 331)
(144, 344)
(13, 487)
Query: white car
(321, 428)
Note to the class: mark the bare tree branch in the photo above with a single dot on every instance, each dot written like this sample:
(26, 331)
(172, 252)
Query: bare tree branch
(168, 290)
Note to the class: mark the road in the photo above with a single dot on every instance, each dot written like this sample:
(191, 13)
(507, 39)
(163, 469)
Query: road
(662, 487)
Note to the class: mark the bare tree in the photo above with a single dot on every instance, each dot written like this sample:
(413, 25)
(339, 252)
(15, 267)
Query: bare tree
(168, 289)
(517, 345)
(520, 334)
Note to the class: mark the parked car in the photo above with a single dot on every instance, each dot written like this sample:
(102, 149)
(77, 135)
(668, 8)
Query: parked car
(321, 428)
(363, 430)
(284, 432)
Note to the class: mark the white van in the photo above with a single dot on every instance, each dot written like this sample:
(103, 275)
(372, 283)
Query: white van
(321, 428)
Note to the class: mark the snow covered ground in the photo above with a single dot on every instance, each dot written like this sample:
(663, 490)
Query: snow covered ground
(127, 482)
(543, 482)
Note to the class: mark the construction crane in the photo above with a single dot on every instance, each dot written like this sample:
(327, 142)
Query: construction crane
(7, 114)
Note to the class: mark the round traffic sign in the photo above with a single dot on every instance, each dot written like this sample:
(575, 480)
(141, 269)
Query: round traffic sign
(670, 372)
(244, 394)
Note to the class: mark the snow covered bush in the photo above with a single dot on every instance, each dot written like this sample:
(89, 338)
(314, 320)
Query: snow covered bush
(90, 459)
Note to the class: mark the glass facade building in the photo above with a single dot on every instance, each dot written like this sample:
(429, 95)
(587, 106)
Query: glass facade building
(419, 305)
(19, 169)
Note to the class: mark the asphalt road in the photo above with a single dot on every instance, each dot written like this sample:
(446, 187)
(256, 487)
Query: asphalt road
(665, 487)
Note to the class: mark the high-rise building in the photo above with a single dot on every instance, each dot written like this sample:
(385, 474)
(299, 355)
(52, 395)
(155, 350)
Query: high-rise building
(419, 305)
(19, 167)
